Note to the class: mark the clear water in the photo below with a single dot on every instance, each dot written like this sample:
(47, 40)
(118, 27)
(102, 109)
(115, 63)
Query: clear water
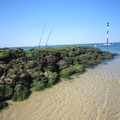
(94, 95)
(115, 47)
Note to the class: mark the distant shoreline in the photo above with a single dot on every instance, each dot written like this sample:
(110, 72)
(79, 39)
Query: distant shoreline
(62, 45)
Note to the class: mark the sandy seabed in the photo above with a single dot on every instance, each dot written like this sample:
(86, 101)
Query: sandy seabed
(94, 95)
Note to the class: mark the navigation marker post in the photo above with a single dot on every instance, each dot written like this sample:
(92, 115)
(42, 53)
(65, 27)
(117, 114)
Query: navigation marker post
(107, 34)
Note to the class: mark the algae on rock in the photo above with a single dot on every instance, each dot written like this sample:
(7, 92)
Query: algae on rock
(21, 70)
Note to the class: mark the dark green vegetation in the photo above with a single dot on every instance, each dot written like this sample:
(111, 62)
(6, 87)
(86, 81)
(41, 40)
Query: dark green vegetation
(72, 70)
(40, 68)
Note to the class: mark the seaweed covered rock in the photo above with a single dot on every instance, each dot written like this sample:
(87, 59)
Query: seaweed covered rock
(63, 64)
(31, 64)
(51, 63)
(3, 104)
(6, 92)
(53, 78)
(4, 56)
(24, 79)
(107, 55)
(71, 70)
(1, 71)
(21, 70)
(40, 84)
(21, 93)
(10, 54)
(87, 60)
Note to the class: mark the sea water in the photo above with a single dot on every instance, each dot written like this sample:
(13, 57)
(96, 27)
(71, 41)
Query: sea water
(115, 47)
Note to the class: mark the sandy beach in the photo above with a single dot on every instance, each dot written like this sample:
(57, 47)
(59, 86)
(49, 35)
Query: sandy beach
(94, 95)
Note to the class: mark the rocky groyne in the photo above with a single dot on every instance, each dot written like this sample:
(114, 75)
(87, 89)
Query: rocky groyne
(21, 71)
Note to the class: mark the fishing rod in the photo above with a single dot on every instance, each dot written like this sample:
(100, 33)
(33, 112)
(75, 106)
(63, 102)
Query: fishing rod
(49, 35)
(42, 34)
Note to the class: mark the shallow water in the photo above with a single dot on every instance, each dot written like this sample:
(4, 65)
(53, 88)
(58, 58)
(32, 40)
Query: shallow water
(94, 95)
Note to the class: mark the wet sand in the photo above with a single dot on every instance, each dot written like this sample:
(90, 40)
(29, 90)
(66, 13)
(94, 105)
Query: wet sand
(94, 95)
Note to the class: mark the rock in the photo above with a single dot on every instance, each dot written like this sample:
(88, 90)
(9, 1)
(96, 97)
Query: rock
(63, 64)
(2, 82)
(1, 57)
(16, 69)
(51, 68)
(46, 74)
(22, 76)
(2, 62)
(5, 56)
(1, 71)
(71, 54)
(4, 48)
(2, 78)
(8, 80)
(14, 77)
(31, 64)
(5, 68)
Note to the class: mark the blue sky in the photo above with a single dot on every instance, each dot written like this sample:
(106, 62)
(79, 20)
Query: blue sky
(74, 21)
